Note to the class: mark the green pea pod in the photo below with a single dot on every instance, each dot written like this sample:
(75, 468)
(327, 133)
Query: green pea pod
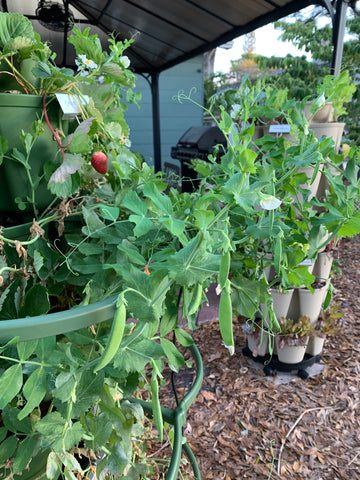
(195, 300)
(277, 254)
(115, 337)
(315, 172)
(224, 269)
(225, 320)
(157, 414)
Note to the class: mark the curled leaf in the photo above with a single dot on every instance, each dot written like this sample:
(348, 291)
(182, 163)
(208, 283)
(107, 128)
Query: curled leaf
(71, 164)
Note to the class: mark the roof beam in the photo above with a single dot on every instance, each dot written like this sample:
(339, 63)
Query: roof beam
(270, 17)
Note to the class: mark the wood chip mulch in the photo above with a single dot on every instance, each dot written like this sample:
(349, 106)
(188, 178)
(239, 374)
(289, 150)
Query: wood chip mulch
(245, 425)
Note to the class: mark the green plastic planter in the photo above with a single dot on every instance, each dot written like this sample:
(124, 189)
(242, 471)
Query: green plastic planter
(18, 112)
(41, 326)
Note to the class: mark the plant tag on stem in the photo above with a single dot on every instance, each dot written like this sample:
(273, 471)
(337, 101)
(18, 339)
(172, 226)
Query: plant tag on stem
(279, 129)
(70, 104)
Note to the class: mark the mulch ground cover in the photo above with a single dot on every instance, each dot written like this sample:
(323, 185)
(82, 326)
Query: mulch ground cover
(246, 425)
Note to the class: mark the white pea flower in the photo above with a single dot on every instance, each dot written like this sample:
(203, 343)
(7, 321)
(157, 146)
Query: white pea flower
(235, 111)
(320, 101)
(269, 202)
(218, 289)
(125, 61)
(306, 129)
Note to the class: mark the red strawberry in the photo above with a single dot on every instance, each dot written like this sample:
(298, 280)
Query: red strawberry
(99, 161)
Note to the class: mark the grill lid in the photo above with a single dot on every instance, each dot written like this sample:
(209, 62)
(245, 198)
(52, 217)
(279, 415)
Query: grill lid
(203, 138)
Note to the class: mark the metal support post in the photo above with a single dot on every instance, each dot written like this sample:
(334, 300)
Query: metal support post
(156, 120)
(339, 24)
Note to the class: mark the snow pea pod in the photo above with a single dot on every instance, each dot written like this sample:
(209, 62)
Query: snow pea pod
(225, 318)
(115, 337)
(224, 269)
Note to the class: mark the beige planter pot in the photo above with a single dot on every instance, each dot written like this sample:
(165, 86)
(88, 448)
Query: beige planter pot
(323, 115)
(315, 345)
(281, 302)
(314, 186)
(258, 132)
(269, 271)
(258, 344)
(291, 353)
(332, 129)
(309, 264)
(310, 304)
(325, 239)
(322, 266)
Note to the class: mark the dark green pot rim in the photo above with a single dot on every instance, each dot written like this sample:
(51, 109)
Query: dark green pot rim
(30, 328)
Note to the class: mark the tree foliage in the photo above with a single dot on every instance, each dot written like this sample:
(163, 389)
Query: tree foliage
(300, 76)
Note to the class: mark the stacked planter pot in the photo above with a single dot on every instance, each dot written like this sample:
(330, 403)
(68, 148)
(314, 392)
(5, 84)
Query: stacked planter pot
(19, 112)
(303, 301)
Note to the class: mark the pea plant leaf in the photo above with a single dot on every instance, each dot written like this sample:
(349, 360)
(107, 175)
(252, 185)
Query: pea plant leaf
(132, 253)
(162, 202)
(176, 227)
(36, 302)
(247, 295)
(7, 448)
(25, 349)
(142, 224)
(34, 391)
(52, 424)
(88, 390)
(10, 384)
(11, 421)
(24, 454)
(134, 203)
(351, 227)
(116, 462)
(147, 293)
(176, 360)
(193, 264)
(134, 355)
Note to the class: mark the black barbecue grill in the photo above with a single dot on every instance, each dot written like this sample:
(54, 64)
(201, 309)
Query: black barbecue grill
(196, 142)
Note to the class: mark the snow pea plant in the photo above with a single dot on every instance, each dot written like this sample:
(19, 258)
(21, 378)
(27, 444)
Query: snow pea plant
(274, 225)
(119, 235)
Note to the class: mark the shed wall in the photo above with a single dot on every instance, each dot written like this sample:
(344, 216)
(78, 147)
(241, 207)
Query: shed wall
(175, 117)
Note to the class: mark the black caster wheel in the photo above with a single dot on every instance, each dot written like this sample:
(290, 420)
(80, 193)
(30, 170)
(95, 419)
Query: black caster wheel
(269, 372)
(303, 374)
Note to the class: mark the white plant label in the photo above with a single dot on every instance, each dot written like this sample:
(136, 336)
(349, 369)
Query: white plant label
(305, 262)
(71, 104)
(279, 129)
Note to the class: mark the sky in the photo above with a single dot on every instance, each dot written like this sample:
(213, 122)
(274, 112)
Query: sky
(267, 44)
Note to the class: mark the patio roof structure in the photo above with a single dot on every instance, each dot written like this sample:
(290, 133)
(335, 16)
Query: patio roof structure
(167, 32)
